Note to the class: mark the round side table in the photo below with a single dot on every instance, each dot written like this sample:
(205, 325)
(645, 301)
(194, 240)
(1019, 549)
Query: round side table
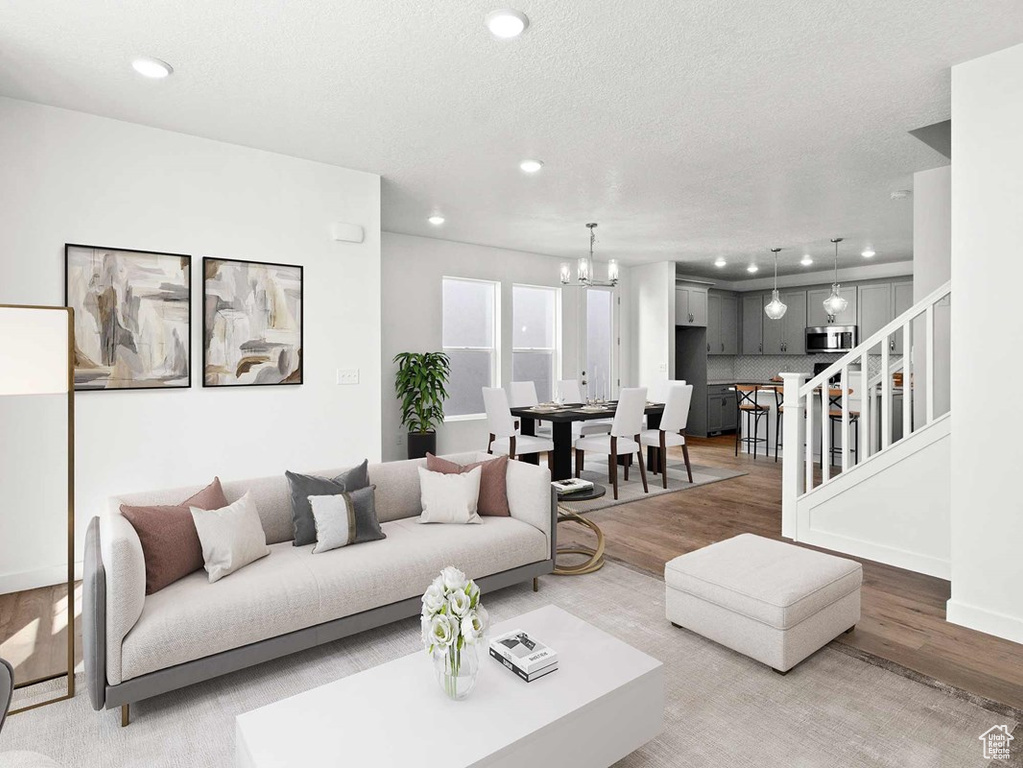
(595, 555)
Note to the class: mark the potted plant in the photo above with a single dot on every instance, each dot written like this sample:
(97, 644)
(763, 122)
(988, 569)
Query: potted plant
(419, 384)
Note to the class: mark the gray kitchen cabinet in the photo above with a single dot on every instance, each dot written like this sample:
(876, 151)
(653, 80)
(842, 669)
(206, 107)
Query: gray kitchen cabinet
(876, 308)
(715, 414)
(722, 324)
(721, 414)
(691, 306)
(752, 324)
(730, 324)
(903, 299)
(786, 336)
(815, 315)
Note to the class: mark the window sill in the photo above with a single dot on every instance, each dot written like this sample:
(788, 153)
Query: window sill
(466, 417)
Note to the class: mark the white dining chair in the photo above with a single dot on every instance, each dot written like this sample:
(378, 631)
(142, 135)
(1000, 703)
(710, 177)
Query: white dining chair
(522, 394)
(501, 425)
(672, 430)
(571, 393)
(623, 440)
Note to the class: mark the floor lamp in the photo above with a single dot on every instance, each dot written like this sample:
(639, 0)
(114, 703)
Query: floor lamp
(36, 361)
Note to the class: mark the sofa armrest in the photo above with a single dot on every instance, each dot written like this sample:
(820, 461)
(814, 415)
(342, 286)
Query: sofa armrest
(94, 617)
(125, 570)
(530, 498)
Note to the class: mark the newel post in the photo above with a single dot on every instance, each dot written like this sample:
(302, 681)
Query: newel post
(793, 476)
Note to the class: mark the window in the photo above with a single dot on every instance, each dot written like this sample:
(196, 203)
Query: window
(470, 333)
(536, 337)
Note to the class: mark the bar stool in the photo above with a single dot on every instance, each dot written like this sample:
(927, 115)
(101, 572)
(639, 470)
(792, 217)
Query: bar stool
(835, 416)
(748, 405)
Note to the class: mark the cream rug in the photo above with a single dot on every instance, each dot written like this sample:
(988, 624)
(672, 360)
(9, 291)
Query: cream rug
(722, 709)
(595, 470)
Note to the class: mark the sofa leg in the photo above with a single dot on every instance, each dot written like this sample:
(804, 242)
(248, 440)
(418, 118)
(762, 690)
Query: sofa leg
(849, 631)
(125, 715)
(536, 583)
(676, 626)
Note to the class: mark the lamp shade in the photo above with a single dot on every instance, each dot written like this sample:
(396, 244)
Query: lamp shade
(33, 351)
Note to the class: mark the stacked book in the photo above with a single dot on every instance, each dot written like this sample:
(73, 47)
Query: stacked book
(572, 485)
(525, 656)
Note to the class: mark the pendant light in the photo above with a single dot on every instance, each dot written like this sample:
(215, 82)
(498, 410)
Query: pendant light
(775, 310)
(584, 268)
(835, 305)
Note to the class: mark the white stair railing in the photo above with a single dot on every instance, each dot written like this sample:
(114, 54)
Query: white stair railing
(808, 409)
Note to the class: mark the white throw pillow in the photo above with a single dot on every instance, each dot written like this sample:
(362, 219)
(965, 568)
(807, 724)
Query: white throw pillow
(449, 498)
(231, 537)
(335, 522)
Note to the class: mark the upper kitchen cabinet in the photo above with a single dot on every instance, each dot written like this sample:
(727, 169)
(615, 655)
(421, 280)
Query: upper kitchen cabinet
(722, 324)
(815, 315)
(880, 303)
(691, 306)
(752, 324)
(788, 335)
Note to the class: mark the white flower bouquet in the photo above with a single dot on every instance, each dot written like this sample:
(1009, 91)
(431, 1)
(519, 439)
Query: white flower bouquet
(453, 622)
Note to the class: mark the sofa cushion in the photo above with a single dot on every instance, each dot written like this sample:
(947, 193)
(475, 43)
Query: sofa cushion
(304, 486)
(292, 589)
(770, 581)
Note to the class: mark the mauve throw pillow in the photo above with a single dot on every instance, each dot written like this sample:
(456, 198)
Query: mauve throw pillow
(304, 486)
(493, 501)
(170, 544)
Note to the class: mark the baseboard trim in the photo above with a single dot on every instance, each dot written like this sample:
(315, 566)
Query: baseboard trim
(983, 620)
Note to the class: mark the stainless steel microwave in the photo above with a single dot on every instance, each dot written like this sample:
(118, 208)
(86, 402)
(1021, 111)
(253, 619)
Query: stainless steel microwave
(831, 338)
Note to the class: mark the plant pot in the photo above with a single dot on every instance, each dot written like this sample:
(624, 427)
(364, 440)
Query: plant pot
(421, 443)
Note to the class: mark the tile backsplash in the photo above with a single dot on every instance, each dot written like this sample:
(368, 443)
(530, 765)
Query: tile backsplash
(764, 367)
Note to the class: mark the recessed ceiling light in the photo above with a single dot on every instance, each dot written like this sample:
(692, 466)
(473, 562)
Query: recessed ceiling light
(506, 23)
(531, 166)
(751, 268)
(720, 262)
(806, 260)
(150, 67)
(868, 254)
(436, 220)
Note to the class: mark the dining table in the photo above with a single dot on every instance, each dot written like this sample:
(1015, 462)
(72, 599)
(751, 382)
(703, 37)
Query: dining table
(561, 419)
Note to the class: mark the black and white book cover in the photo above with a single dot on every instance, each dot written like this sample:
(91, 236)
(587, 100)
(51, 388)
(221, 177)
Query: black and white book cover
(572, 485)
(541, 672)
(523, 652)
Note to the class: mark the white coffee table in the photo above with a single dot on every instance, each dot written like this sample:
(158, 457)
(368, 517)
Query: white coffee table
(605, 701)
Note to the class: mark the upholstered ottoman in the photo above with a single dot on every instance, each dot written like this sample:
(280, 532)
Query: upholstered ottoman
(772, 601)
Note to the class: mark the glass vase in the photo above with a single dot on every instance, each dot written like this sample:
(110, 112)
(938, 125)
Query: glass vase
(457, 669)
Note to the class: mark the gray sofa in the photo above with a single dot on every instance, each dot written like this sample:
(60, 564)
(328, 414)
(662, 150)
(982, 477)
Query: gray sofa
(138, 646)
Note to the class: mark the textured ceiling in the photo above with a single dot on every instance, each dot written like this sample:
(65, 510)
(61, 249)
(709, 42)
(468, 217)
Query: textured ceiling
(688, 130)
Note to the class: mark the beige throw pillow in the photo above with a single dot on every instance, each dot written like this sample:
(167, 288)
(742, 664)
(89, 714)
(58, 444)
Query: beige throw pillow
(231, 537)
(449, 498)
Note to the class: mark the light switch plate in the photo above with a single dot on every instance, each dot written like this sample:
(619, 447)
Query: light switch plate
(347, 375)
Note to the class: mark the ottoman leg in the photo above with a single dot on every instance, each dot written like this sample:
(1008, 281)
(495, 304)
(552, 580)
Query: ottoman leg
(849, 631)
(778, 671)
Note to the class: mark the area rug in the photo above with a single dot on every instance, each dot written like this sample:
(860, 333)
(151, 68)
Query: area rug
(595, 470)
(721, 709)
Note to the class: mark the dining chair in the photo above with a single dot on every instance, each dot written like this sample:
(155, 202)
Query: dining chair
(623, 440)
(522, 394)
(659, 389)
(501, 425)
(672, 430)
(571, 393)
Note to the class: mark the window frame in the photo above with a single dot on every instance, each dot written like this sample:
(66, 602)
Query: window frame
(495, 349)
(555, 351)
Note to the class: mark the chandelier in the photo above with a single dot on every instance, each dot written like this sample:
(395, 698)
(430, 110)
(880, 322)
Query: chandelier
(584, 267)
(775, 310)
(835, 305)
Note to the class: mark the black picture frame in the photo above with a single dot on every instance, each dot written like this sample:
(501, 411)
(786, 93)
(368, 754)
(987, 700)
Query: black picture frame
(298, 375)
(82, 386)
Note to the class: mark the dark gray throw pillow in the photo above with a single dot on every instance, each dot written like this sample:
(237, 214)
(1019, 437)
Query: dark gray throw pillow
(304, 486)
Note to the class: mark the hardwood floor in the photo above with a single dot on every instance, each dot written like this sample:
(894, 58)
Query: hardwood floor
(903, 614)
(33, 631)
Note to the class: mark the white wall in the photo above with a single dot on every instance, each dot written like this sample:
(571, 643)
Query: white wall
(71, 177)
(412, 269)
(987, 272)
(652, 336)
(932, 268)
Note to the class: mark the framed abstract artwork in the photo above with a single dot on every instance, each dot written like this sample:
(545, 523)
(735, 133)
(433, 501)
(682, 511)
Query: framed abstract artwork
(132, 317)
(251, 323)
